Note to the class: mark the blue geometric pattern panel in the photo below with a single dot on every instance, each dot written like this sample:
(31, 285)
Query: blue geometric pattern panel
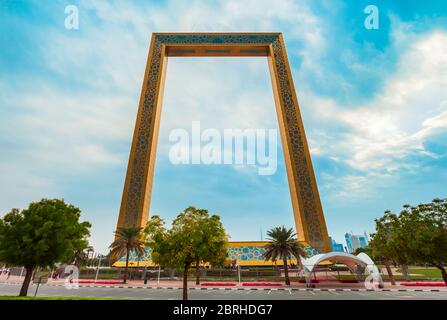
(244, 253)
(250, 252)
(134, 258)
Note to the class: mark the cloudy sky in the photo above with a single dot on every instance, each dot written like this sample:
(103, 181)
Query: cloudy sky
(374, 104)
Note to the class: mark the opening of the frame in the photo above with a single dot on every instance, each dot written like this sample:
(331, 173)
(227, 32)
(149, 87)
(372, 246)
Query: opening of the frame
(203, 100)
(217, 51)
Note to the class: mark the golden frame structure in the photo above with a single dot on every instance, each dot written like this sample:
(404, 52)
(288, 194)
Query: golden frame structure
(309, 219)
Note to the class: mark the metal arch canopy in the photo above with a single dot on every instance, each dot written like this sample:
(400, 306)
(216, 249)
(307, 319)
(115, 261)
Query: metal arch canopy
(309, 219)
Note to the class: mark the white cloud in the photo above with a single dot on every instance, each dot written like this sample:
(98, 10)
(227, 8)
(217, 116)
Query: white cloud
(377, 137)
(433, 125)
(60, 130)
(19, 184)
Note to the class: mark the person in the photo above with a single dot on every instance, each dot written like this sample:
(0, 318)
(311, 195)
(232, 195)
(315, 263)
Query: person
(145, 277)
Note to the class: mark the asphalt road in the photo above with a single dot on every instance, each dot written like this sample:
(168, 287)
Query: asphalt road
(234, 294)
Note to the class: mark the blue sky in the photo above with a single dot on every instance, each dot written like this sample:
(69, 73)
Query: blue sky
(374, 105)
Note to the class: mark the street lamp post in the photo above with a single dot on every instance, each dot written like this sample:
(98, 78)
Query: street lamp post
(239, 273)
(238, 269)
(97, 268)
(159, 270)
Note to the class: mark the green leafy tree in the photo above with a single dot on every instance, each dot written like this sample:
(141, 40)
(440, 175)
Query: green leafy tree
(426, 233)
(283, 245)
(418, 234)
(155, 227)
(210, 237)
(194, 238)
(45, 233)
(366, 250)
(381, 242)
(128, 239)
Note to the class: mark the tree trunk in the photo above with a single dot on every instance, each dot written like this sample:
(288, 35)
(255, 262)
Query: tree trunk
(127, 266)
(197, 273)
(390, 273)
(443, 272)
(444, 275)
(26, 282)
(286, 272)
(185, 282)
(405, 274)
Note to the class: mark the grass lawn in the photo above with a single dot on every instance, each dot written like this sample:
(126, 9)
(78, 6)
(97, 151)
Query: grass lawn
(415, 274)
(101, 276)
(54, 298)
(428, 273)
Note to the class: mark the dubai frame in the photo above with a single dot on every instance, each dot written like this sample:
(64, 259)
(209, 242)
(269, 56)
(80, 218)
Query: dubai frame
(308, 213)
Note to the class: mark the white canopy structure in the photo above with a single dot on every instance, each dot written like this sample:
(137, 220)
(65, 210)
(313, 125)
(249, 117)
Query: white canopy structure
(357, 264)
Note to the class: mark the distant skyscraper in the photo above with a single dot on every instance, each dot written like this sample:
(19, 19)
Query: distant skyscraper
(363, 241)
(336, 247)
(348, 241)
(355, 242)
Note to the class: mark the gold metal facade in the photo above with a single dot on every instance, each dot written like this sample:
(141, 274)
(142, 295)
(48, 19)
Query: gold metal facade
(308, 213)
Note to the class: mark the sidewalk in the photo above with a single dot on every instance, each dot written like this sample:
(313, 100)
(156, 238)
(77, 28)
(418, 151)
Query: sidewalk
(177, 284)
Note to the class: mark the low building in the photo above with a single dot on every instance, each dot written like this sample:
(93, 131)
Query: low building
(243, 253)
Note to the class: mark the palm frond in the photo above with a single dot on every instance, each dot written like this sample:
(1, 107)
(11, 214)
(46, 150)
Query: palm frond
(283, 245)
(128, 240)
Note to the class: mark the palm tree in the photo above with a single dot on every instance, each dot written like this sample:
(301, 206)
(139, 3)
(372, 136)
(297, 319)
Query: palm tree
(283, 245)
(127, 240)
(80, 257)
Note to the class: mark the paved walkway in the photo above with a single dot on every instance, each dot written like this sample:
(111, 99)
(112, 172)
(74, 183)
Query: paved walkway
(224, 293)
(175, 284)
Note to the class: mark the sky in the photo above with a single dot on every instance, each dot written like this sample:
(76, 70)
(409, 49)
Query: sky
(373, 102)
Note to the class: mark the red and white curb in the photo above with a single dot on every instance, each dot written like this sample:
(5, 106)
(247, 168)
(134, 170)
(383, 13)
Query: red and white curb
(242, 288)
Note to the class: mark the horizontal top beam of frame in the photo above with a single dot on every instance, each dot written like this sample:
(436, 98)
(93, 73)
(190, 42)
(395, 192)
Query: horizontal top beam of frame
(228, 50)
